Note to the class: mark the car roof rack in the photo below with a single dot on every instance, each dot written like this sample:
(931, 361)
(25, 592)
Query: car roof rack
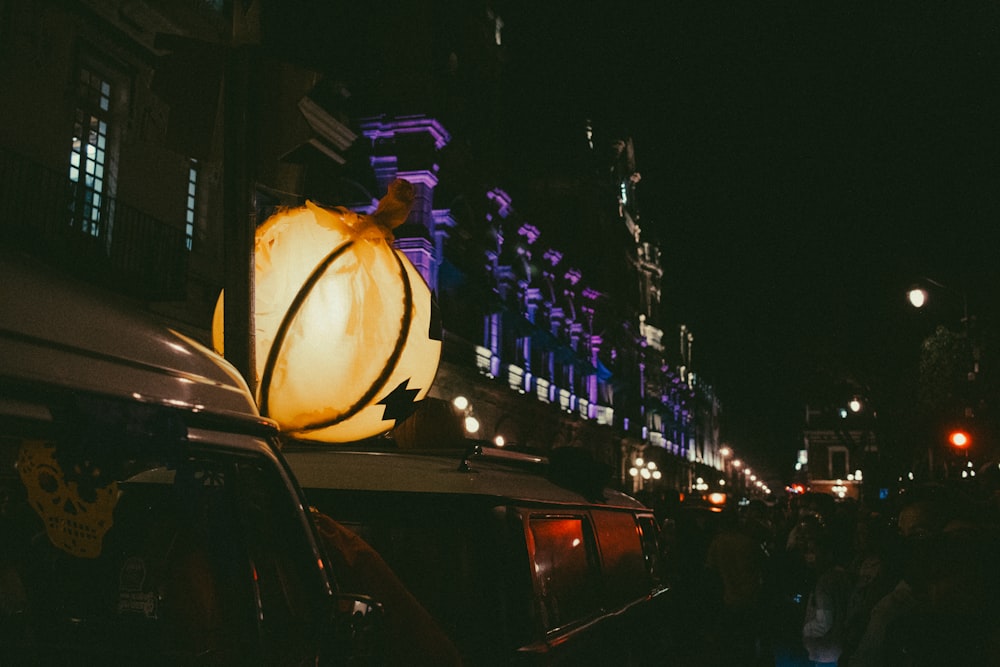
(523, 460)
(572, 468)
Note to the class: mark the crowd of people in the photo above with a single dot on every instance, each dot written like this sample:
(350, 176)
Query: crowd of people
(912, 581)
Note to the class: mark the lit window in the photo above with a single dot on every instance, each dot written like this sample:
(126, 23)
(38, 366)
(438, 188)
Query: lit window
(190, 213)
(88, 151)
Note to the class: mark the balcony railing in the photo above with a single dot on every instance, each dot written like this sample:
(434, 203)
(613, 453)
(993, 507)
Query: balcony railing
(124, 250)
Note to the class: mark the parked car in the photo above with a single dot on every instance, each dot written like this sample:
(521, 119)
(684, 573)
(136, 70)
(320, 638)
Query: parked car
(146, 514)
(519, 560)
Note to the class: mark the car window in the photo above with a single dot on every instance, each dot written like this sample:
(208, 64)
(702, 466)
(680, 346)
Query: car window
(441, 547)
(119, 544)
(625, 575)
(290, 596)
(565, 568)
(650, 535)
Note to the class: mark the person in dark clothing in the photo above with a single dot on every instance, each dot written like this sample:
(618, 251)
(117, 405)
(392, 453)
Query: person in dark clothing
(826, 609)
(875, 569)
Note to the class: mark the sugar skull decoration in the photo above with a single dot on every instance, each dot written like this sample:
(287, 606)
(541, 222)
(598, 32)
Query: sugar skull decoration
(347, 333)
(77, 513)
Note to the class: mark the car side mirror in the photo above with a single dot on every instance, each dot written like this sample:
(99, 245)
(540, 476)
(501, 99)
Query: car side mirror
(356, 634)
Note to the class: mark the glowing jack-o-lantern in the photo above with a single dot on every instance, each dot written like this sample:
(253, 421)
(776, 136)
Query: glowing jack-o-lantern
(347, 333)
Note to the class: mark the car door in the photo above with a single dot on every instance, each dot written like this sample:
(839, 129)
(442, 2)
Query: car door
(128, 539)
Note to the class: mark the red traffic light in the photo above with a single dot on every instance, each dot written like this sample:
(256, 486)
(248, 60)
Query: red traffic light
(960, 439)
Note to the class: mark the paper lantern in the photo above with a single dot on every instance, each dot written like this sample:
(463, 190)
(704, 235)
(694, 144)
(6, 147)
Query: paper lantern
(347, 333)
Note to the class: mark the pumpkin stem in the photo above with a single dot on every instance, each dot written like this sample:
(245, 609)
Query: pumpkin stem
(395, 206)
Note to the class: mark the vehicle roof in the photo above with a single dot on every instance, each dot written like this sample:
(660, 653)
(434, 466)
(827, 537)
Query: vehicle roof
(58, 332)
(450, 472)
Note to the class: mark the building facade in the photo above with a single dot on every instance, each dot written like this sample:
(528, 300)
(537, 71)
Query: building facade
(145, 141)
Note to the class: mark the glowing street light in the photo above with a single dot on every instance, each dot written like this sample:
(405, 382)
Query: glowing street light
(959, 439)
(469, 420)
(471, 424)
(643, 471)
(917, 297)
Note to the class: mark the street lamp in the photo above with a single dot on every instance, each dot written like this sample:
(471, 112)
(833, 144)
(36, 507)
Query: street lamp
(726, 453)
(469, 420)
(643, 471)
(919, 297)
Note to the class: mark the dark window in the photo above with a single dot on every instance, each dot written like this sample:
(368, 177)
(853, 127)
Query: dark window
(650, 544)
(446, 552)
(282, 566)
(838, 463)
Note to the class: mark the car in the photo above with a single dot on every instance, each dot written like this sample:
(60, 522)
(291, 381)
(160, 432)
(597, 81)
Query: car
(521, 558)
(146, 513)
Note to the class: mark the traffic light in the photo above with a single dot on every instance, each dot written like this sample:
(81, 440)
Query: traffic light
(959, 439)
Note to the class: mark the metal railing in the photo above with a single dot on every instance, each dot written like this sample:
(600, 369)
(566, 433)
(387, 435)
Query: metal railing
(125, 250)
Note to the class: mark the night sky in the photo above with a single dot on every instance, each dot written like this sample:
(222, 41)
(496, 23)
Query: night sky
(802, 165)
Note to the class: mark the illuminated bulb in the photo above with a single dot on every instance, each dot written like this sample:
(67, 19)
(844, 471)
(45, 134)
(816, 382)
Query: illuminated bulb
(471, 425)
(917, 297)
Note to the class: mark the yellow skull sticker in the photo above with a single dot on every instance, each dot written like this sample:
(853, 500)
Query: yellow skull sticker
(73, 524)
